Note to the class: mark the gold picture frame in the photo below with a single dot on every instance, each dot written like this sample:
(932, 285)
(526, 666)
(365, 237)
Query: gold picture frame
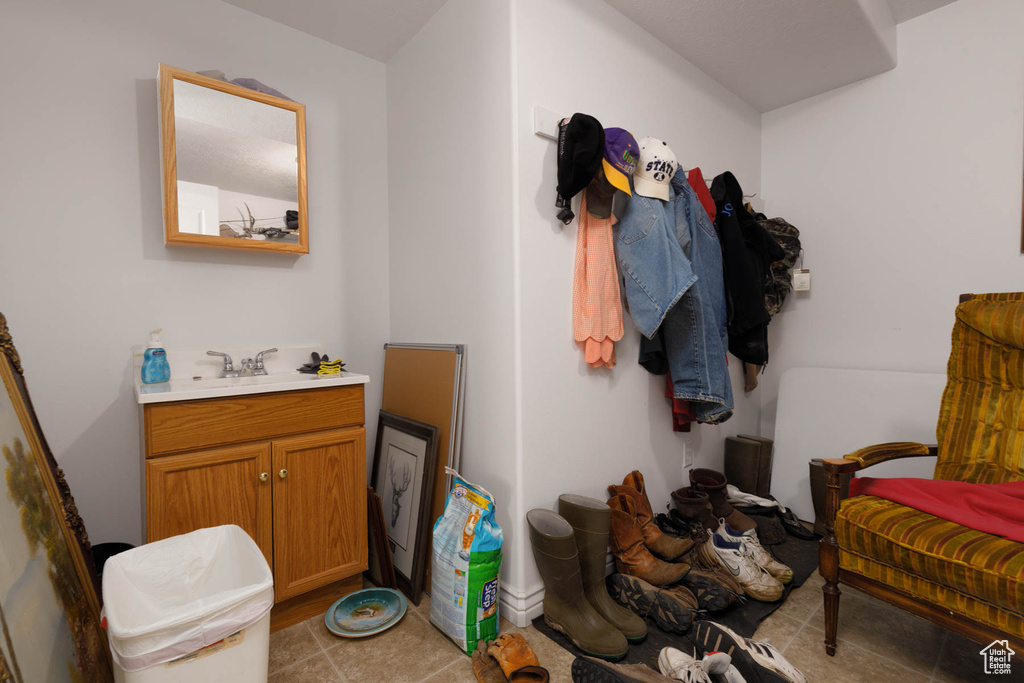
(49, 591)
(167, 75)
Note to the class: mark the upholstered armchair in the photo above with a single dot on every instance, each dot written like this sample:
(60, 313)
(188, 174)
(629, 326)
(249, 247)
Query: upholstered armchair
(964, 580)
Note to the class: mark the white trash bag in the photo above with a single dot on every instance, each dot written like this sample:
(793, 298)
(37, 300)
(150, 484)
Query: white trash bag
(166, 599)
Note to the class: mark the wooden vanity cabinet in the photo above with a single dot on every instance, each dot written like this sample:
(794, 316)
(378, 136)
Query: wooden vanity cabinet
(289, 468)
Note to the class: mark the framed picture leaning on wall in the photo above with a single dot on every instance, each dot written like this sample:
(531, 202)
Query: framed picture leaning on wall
(48, 589)
(403, 474)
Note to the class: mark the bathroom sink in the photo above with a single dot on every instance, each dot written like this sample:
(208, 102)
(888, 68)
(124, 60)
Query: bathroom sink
(214, 387)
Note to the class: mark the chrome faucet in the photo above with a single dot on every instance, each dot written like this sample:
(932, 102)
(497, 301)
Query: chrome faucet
(259, 369)
(246, 370)
(229, 369)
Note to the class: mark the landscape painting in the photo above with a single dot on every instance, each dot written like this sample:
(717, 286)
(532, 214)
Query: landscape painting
(48, 606)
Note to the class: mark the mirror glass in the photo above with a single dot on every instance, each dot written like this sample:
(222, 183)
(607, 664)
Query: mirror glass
(234, 166)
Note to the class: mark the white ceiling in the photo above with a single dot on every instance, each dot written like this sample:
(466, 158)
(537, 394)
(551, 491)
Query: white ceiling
(776, 52)
(908, 9)
(234, 143)
(769, 52)
(375, 28)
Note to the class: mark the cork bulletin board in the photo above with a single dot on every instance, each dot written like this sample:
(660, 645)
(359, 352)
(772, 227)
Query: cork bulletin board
(426, 382)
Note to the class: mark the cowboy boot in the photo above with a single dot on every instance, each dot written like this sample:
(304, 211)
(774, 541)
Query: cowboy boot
(713, 483)
(665, 547)
(566, 608)
(590, 520)
(631, 555)
(694, 505)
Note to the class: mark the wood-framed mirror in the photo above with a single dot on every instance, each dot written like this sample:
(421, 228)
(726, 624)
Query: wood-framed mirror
(234, 166)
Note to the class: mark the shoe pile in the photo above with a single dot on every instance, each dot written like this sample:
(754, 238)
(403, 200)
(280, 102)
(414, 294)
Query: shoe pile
(661, 576)
(730, 536)
(665, 577)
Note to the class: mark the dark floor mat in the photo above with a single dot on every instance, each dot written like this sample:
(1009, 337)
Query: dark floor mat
(800, 555)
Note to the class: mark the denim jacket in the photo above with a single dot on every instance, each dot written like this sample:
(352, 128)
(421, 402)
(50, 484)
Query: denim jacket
(671, 261)
(655, 269)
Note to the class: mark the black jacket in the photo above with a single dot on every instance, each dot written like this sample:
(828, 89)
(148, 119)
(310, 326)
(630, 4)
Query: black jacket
(748, 251)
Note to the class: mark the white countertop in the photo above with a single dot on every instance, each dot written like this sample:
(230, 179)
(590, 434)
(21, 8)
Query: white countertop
(194, 375)
(191, 389)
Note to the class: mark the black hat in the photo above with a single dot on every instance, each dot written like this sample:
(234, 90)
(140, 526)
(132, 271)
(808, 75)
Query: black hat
(580, 150)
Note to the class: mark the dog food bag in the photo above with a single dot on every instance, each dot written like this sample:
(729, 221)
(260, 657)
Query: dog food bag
(465, 564)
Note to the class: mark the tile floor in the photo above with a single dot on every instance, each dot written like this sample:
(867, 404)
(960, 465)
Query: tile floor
(877, 644)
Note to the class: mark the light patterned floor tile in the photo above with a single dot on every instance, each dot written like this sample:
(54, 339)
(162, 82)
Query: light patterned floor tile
(290, 645)
(316, 669)
(851, 664)
(406, 653)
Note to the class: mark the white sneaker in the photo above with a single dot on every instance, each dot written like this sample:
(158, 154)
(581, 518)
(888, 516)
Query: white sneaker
(720, 664)
(737, 558)
(681, 666)
(754, 660)
(781, 572)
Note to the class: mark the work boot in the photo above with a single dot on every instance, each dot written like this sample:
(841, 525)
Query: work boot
(665, 547)
(694, 505)
(566, 608)
(672, 609)
(590, 520)
(631, 555)
(713, 483)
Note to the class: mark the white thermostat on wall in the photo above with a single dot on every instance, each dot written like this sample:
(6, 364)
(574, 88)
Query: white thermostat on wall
(802, 280)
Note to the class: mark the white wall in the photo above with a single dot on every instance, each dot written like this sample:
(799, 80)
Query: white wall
(451, 221)
(906, 188)
(583, 428)
(84, 273)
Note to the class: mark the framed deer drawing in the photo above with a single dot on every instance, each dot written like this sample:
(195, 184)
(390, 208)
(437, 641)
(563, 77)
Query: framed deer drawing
(403, 475)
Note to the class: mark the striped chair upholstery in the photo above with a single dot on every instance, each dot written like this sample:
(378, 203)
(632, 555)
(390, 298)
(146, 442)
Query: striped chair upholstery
(981, 439)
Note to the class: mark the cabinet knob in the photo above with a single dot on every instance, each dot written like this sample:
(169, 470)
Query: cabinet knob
(264, 476)
(283, 473)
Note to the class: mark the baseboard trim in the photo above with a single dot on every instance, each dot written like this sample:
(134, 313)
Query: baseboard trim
(522, 607)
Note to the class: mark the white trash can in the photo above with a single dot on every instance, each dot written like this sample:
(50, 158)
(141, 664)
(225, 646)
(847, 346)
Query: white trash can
(193, 608)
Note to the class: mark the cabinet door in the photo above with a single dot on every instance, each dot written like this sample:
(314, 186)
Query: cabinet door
(319, 510)
(209, 488)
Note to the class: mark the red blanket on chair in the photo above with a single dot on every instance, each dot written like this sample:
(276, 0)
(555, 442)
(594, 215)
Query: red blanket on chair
(996, 509)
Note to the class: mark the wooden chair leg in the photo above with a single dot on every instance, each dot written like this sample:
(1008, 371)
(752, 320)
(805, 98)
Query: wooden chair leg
(828, 565)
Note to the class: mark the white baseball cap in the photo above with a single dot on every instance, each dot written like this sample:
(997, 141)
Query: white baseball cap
(655, 170)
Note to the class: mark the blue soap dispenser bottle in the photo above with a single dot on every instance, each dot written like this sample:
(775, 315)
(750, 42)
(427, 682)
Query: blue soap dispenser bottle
(154, 362)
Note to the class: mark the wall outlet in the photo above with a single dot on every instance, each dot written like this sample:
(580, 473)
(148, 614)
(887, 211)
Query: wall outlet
(687, 457)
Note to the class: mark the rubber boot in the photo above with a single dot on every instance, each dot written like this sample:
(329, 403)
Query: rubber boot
(764, 465)
(566, 608)
(742, 458)
(631, 555)
(665, 547)
(693, 504)
(590, 520)
(713, 483)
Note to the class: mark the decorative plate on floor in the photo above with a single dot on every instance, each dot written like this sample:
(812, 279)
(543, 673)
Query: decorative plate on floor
(366, 612)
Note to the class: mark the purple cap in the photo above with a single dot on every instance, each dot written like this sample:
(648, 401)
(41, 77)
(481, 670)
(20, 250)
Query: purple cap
(621, 154)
